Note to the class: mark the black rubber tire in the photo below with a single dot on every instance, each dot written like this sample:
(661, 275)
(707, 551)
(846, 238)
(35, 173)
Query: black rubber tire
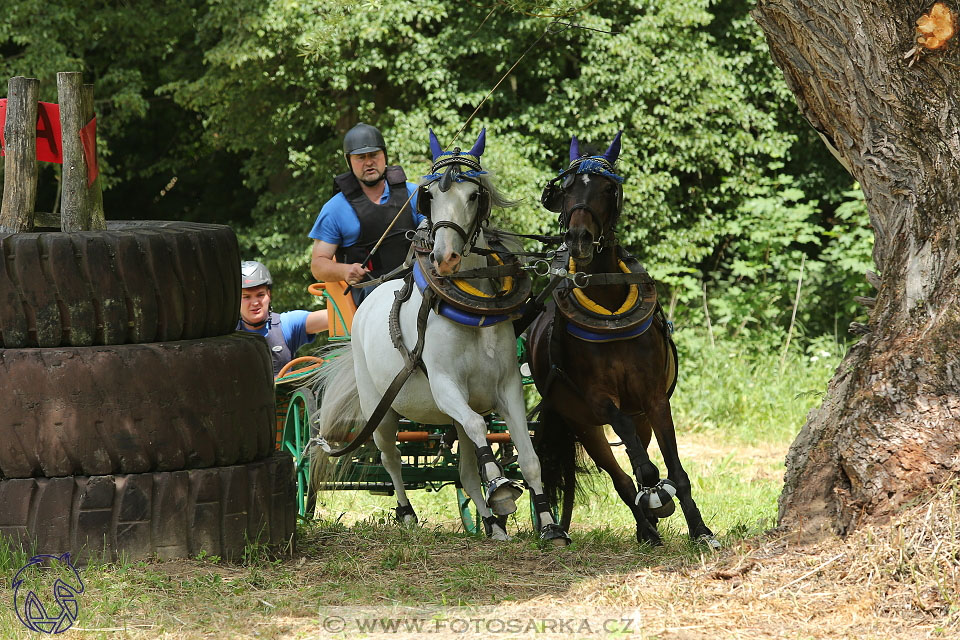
(171, 515)
(136, 282)
(136, 408)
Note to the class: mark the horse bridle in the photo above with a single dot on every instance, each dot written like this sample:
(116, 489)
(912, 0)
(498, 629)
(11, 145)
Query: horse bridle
(452, 173)
(553, 192)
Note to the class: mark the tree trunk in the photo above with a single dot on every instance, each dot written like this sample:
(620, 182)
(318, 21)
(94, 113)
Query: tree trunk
(889, 427)
(77, 201)
(20, 161)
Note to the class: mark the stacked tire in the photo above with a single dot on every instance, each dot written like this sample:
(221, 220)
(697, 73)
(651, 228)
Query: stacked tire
(134, 420)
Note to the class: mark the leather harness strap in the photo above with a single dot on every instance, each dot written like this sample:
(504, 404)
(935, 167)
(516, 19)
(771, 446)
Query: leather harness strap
(618, 278)
(555, 354)
(411, 359)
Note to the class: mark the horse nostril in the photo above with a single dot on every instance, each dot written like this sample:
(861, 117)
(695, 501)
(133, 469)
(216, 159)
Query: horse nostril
(454, 256)
(577, 237)
(433, 257)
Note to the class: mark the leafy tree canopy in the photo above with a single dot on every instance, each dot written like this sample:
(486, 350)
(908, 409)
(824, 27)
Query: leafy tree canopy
(245, 103)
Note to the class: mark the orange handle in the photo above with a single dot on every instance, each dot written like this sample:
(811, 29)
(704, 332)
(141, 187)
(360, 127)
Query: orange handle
(412, 436)
(317, 363)
(317, 288)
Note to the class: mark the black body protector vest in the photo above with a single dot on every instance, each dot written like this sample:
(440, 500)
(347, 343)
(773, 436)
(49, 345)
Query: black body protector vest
(279, 351)
(374, 219)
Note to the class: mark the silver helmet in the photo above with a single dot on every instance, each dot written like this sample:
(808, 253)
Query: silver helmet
(254, 274)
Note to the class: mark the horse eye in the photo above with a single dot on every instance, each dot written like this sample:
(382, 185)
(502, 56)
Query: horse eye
(474, 195)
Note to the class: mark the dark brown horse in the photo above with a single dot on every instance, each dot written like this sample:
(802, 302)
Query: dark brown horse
(618, 377)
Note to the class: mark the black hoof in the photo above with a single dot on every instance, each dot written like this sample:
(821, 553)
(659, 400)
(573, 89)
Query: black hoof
(555, 535)
(489, 521)
(402, 511)
(648, 536)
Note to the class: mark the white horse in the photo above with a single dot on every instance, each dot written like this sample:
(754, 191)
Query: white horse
(472, 371)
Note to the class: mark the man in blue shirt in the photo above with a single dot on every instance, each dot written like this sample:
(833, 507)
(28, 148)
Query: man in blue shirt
(285, 332)
(367, 199)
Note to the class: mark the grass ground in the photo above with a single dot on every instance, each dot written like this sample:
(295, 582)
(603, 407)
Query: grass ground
(355, 573)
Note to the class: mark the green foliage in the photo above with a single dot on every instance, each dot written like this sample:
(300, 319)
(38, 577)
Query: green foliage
(756, 267)
(245, 104)
(743, 392)
(153, 159)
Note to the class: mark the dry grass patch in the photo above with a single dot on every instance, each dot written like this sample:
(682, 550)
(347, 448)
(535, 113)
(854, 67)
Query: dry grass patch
(894, 581)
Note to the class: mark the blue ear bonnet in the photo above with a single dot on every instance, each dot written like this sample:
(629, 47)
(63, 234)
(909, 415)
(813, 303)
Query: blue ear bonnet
(455, 175)
(449, 167)
(598, 166)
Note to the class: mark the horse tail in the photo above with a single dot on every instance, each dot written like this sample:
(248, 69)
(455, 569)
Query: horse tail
(336, 387)
(560, 460)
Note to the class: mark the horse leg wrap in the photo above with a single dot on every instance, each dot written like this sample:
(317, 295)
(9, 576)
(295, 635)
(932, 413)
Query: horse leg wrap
(489, 521)
(541, 505)
(404, 510)
(658, 500)
(552, 533)
(484, 457)
(502, 493)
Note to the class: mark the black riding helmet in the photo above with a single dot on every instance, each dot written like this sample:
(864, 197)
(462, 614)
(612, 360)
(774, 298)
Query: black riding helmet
(363, 138)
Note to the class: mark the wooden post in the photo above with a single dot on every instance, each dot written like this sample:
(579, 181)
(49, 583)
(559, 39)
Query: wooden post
(95, 194)
(75, 205)
(20, 163)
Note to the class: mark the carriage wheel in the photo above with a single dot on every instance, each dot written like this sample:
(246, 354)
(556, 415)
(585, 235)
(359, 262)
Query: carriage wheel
(468, 514)
(471, 519)
(297, 431)
(554, 511)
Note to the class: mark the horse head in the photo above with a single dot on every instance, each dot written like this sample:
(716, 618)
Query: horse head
(455, 198)
(588, 195)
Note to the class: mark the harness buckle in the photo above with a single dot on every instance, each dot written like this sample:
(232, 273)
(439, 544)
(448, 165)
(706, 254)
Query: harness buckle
(584, 279)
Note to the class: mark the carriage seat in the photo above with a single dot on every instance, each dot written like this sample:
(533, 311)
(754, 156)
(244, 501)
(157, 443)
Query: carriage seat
(340, 313)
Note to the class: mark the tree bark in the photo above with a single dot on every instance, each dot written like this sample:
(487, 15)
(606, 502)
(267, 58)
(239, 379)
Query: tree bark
(76, 206)
(94, 191)
(20, 160)
(889, 427)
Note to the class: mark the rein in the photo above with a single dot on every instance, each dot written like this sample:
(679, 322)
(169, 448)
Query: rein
(412, 360)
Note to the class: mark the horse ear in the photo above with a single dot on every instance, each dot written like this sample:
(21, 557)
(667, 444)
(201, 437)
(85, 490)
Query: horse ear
(613, 151)
(435, 148)
(574, 148)
(477, 150)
